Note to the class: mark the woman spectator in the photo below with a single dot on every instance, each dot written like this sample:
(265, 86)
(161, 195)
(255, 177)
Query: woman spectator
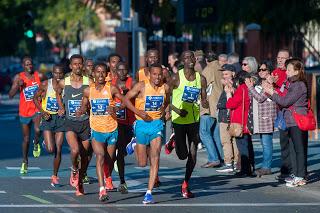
(249, 64)
(295, 99)
(237, 113)
(264, 112)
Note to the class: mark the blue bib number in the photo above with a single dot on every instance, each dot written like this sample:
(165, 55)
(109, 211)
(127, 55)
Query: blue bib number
(99, 106)
(52, 105)
(121, 114)
(73, 106)
(153, 103)
(190, 94)
(29, 92)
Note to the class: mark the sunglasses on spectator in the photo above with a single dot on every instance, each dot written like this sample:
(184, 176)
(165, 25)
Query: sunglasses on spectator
(265, 69)
(244, 64)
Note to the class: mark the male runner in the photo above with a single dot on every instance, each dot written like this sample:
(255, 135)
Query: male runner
(187, 85)
(27, 82)
(51, 124)
(151, 100)
(126, 119)
(103, 121)
(77, 128)
(112, 61)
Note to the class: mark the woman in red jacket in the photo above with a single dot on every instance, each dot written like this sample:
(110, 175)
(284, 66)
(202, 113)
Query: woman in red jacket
(240, 115)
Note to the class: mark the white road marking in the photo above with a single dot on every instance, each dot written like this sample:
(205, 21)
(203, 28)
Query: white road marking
(59, 191)
(18, 168)
(35, 178)
(148, 167)
(177, 176)
(3, 192)
(159, 205)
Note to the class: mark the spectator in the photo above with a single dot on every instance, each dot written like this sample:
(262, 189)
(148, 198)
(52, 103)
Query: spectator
(223, 59)
(249, 64)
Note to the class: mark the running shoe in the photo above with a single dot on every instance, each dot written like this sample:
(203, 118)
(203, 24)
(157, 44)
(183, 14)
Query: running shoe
(103, 195)
(289, 179)
(147, 199)
(296, 182)
(186, 193)
(169, 146)
(24, 168)
(130, 147)
(86, 179)
(123, 188)
(54, 181)
(109, 184)
(157, 183)
(36, 150)
(79, 190)
(74, 178)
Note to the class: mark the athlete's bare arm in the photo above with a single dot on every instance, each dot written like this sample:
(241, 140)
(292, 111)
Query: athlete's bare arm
(17, 83)
(59, 90)
(174, 84)
(137, 89)
(204, 101)
(84, 103)
(115, 92)
(38, 96)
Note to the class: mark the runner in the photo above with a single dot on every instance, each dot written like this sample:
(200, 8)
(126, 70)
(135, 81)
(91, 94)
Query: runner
(126, 119)
(51, 124)
(151, 100)
(112, 61)
(187, 84)
(77, 128)
(88, 68)
(103, 121)
(27, 82)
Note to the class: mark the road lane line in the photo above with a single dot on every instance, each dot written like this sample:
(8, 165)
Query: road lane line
(18, 168)
(159, 205)
(59, 191)
(148, 167)
(3, 192)
(37, 199)
(177, 176)
(35, 178)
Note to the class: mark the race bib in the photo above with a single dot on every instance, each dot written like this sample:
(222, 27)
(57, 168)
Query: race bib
(153, 103)
(121, 114)
(29, 92)
(73, 106)
(99, 106)
(52, 105)
(190, 94)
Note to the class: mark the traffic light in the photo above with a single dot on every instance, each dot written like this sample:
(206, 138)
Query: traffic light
(28, 25)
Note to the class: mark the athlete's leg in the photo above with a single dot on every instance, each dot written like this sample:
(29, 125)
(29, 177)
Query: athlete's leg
(36, 124)
(26, 141)
(193, 140)
(141, 155)
(84, 147)
(99, 151)
(72, 140)
(57, 154)
(49, 141)
(154, 155)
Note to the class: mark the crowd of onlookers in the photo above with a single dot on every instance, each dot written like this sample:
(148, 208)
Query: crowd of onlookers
(249, 98)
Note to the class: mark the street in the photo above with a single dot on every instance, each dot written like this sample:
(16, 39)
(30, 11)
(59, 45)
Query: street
(214, 192)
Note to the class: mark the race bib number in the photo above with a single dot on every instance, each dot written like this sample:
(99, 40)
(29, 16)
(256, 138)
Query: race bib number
(29, 92)
(99, 106)
(153, 103)
(73, 106)
(121, 114)
(190, 94)
(52, 105)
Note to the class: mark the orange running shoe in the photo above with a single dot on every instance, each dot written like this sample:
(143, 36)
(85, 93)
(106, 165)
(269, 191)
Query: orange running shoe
(54, 181)
(109, 184)
(74, 178)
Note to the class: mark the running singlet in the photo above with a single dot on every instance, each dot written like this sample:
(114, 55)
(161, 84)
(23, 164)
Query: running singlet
(152, 101)
(72, 99)
(124, 116)
(142, 75)
(26, 107)
(49, 102)
(186, 97)
(100, 119)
